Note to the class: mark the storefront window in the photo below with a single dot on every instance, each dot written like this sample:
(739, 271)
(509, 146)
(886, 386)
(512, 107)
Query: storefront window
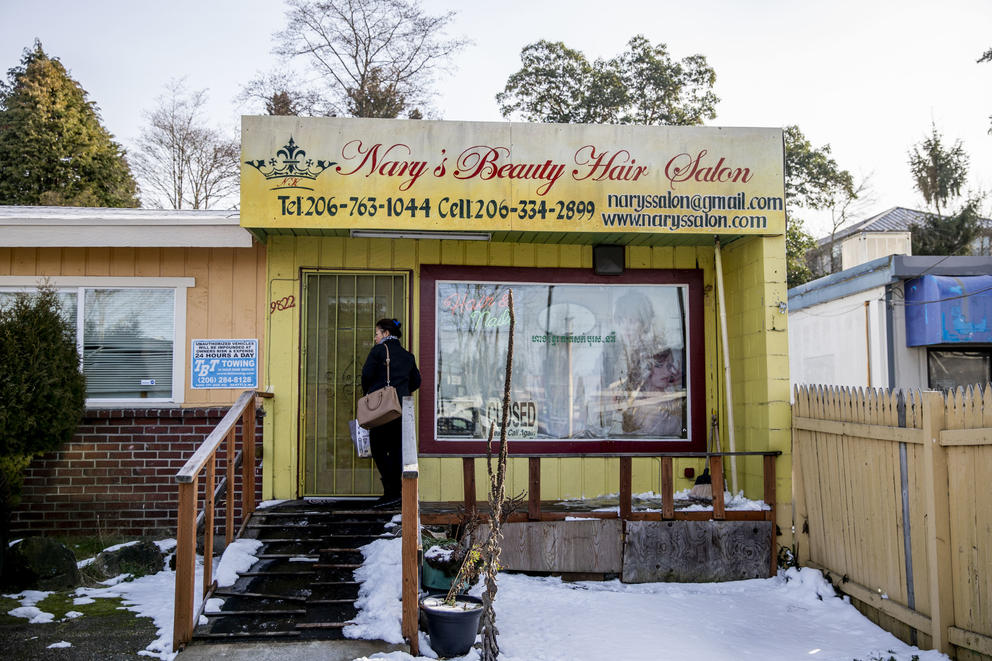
(592, 361)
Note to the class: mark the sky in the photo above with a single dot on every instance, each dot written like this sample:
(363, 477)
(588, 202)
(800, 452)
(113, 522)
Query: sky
(794, 615)
(866, 77)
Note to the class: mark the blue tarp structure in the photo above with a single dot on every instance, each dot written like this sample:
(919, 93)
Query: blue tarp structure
(948, 310)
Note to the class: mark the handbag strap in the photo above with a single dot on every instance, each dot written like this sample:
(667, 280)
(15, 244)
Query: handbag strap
(387, 361)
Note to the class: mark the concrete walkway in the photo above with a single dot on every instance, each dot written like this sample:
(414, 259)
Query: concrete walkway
(310, 650)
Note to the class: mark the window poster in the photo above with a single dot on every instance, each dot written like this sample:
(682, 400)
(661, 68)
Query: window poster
(591, 361)
(224, 364)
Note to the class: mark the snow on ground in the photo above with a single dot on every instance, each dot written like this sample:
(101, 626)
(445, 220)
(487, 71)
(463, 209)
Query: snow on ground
(153, 596)
(794, 615)
(150, 596)
(238, 556)
(27, 609)
(269, 503)
(32, 614)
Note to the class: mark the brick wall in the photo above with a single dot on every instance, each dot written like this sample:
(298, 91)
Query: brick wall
(118, 474)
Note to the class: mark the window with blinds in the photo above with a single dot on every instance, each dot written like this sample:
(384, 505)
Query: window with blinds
(127, 343)
(125, 337)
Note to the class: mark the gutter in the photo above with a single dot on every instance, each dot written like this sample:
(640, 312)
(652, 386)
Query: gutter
(869, 275)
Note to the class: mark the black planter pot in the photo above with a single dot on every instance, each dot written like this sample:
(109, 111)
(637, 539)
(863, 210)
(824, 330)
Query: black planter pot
(452, 632)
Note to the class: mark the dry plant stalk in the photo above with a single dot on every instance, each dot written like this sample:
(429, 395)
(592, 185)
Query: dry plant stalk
(469, 570)
(497, 494)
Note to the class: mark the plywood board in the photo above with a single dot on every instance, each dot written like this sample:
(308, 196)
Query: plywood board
(591, 545)
(696, 551)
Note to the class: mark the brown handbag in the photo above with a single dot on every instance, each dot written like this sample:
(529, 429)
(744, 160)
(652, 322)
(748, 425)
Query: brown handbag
(379, 406)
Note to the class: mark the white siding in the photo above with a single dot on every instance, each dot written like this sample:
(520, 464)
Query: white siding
(866, 246)
(828, 343)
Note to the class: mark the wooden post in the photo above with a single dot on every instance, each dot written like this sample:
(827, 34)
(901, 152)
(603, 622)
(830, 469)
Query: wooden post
(182, 626)
(229, 498)
(625, 487)
(667, 489)
(939, 530)
(468, 480)
(248, 463)
(411, 570)
(208, 525)
(716, 473)
(534, 488)
(769, 474)
(800, 441)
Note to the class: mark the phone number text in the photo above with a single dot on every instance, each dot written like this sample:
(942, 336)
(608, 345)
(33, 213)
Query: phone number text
(446, 207)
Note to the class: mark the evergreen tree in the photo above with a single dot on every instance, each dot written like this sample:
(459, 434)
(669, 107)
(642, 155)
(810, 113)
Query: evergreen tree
(42, 389)
(53, 148)
(947, 235)
(986, 57)
(939, 172)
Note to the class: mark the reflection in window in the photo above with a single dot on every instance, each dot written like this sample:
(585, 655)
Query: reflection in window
(948, 370)
(127, 342)
(590, 361)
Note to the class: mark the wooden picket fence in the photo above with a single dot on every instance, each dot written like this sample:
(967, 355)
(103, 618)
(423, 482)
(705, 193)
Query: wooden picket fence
(893, 501)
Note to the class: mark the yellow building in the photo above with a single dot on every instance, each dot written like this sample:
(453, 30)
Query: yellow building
(610, 238)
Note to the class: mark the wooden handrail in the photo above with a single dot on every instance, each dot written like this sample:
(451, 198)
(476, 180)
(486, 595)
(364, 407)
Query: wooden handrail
(410, 514)
(191, 469)
(204, 460)
(720, 512)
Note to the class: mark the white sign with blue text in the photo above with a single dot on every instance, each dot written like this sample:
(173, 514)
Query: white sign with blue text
(225, 364)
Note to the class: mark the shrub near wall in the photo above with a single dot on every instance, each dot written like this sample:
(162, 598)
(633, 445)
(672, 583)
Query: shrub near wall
(117, 474)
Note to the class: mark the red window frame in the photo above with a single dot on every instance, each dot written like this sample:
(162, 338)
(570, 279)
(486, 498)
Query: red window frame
(691, 278)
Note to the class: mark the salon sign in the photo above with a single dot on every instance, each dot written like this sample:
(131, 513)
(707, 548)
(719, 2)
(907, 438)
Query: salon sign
(378, 174)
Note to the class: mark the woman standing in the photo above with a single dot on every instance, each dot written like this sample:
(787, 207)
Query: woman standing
(386, 440)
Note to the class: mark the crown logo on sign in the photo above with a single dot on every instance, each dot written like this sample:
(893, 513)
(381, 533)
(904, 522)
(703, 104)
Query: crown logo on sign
(293, 163)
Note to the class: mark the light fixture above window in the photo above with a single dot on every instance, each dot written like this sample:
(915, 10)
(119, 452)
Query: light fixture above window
(418, 234)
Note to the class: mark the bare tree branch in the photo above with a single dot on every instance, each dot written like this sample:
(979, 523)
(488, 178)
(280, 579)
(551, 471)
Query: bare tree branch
(180, 162)
(372, 58)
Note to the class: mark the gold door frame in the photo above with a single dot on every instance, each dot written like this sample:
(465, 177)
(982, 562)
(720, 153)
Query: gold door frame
(339, 311)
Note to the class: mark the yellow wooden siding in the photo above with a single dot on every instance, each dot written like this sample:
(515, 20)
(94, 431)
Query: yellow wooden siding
(228, 300)
(441, 478)
(755, 281)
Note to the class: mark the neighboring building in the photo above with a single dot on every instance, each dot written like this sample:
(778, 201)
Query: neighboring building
(886, 233)
(895, 322)
(140, 286)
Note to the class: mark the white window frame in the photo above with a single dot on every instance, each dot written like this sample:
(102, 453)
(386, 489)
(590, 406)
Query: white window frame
(81, 283)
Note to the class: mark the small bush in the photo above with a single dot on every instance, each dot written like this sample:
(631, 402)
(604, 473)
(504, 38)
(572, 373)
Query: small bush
(42, 389)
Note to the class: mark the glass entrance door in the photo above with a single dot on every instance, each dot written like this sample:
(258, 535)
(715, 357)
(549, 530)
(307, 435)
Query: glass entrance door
(340, 311)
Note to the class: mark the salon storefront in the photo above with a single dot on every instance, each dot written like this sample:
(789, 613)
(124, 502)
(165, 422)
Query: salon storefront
(611, 239)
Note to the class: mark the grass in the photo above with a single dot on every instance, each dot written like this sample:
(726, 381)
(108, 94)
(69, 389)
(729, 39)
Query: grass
(106, 630)
(88, 546)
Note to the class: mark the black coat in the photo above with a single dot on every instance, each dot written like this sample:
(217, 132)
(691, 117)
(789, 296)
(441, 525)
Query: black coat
(403, 372)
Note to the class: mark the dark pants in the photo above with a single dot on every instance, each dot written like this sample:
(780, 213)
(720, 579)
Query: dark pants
(386, 443)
